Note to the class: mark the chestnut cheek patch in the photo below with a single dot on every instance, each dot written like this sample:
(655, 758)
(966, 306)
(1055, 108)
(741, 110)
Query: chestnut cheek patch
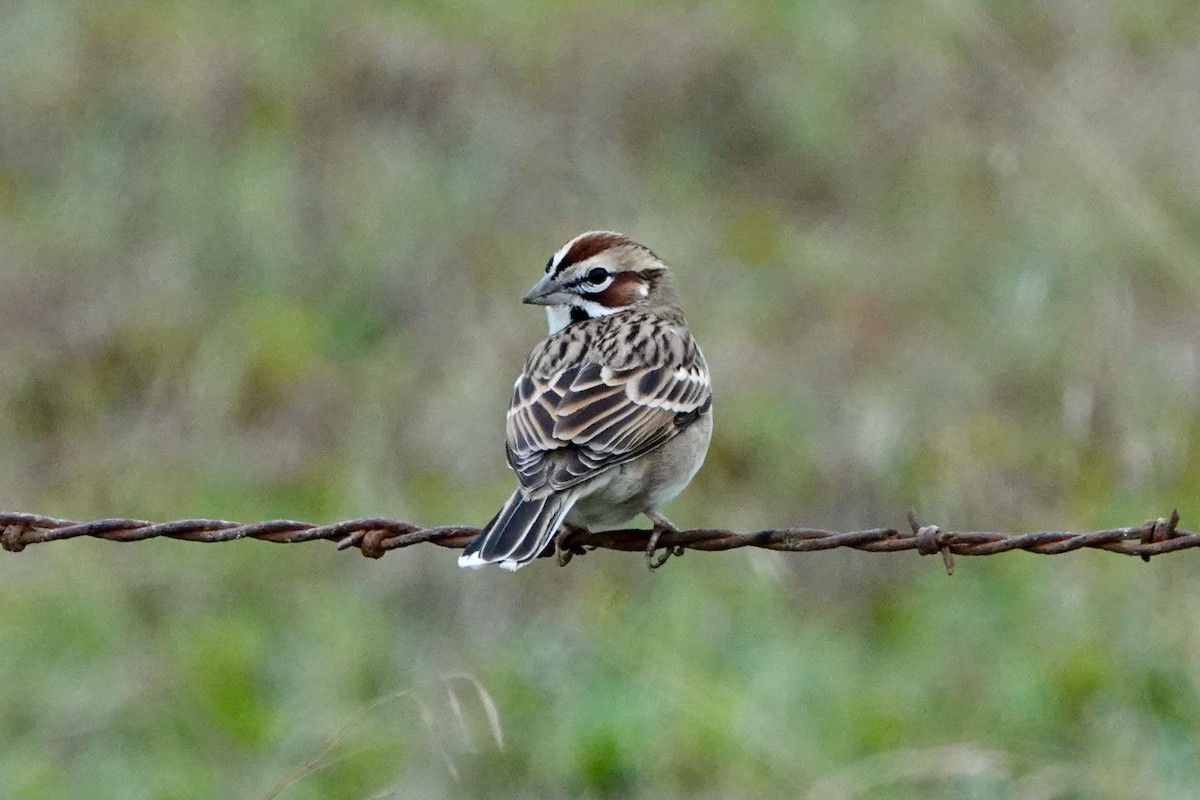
(626, 289)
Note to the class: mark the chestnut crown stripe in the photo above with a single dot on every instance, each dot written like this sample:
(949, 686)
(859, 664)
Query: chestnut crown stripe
(588, 245)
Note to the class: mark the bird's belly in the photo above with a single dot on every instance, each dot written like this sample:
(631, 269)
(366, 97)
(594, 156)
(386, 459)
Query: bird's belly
(646, 483)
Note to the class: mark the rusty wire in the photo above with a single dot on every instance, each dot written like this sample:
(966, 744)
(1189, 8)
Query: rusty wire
(374, 536)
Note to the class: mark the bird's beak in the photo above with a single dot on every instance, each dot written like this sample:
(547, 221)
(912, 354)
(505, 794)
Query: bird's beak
(546, 293)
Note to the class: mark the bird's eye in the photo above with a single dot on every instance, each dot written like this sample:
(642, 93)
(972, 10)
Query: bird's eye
(597, 275)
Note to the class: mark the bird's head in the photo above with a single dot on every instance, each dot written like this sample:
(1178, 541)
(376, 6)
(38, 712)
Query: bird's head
(599, 273)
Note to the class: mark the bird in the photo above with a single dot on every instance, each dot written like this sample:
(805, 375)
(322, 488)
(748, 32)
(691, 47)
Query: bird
(612, 414)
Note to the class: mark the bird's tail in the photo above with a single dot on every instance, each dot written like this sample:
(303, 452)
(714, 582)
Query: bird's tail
(519, 532)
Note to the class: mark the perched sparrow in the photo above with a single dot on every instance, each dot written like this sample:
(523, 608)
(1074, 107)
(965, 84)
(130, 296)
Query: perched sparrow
(611, 415)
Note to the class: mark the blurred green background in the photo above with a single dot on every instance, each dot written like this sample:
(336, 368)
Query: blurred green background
(264, 260)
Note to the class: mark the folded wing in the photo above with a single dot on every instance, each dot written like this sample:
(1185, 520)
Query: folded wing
(581, 420)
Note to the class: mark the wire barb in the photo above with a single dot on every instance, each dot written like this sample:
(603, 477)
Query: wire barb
(930, 540)
(374, 536)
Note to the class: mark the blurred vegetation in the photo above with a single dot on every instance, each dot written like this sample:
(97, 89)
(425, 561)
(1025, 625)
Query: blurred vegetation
(264, 260)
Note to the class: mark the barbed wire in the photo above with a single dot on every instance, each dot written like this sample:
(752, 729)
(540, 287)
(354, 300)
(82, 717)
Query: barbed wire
(374, 536)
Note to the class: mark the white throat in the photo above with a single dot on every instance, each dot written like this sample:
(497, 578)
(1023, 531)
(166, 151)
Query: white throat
(558, 317)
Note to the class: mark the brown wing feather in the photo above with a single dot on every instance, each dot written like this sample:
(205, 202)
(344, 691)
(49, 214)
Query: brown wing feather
(568, 423)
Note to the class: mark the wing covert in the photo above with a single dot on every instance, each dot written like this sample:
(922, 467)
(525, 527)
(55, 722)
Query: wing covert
(566, 426)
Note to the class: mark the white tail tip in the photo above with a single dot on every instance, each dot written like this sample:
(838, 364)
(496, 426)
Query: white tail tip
(472, 561)
(475, 561)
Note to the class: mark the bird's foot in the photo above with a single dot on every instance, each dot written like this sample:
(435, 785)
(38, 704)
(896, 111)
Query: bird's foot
(566, 543)
(661, 525)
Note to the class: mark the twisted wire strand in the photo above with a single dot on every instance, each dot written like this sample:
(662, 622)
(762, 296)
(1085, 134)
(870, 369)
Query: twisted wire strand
(374, 536)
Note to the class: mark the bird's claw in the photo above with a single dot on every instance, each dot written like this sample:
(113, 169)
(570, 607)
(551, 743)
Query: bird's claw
(662, 525)
(565, 544)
